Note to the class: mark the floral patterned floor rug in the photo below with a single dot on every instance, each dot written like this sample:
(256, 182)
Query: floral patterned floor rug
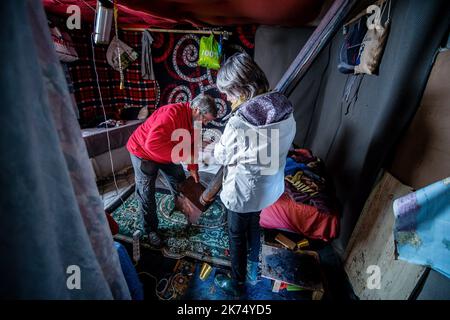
(205, 241)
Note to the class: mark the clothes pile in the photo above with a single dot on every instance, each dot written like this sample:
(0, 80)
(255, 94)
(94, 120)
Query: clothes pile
(308, 205)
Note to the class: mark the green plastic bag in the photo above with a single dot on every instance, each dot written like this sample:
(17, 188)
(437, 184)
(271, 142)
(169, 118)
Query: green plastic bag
(209, 53)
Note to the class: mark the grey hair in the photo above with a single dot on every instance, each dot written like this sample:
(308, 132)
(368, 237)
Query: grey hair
(205, 104)
(241, 77)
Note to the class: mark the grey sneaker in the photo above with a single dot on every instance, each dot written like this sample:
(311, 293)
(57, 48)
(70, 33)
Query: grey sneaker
(154, 240)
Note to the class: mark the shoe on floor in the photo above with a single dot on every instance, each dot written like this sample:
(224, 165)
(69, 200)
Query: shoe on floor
(225, 283)
(154, 240)
(252, 272)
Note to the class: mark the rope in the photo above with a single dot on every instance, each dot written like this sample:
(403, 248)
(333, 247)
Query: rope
(169, 281)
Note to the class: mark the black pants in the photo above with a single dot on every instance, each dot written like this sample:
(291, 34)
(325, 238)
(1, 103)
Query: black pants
(244, 234)
(145, 174)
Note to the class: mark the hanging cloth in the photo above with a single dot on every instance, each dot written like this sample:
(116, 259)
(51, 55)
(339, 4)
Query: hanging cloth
(146, 59)
(52, 221)
(421, 226)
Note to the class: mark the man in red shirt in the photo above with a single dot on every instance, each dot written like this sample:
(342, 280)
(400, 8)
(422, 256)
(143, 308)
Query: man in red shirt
(151, 148)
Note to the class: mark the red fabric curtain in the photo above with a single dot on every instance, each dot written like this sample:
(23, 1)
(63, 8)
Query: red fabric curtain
(169, 13)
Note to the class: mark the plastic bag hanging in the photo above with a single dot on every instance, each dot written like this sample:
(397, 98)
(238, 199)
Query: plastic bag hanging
(209, 53)
(354, 34)
(374, 41)
(119, 55)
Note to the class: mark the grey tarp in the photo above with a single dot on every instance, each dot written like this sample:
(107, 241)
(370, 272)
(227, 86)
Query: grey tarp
(51, 214)
(356, 138)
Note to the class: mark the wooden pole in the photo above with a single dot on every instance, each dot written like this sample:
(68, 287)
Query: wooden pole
(316, 42)
(224, 33)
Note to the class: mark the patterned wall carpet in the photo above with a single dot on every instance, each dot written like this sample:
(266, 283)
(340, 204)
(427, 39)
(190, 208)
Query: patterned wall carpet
(178, 76)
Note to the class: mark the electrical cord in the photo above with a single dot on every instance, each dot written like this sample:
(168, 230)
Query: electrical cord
(169, 281)
(88, 5)
(105, 118)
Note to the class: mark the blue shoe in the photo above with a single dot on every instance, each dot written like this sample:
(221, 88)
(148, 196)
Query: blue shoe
(225, 283)
(252, 272)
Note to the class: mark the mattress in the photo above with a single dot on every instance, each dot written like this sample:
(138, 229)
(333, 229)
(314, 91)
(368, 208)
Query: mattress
(96, 138)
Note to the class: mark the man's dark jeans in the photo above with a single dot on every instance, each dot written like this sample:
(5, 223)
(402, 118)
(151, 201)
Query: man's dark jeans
(244, 234)
(145, 173)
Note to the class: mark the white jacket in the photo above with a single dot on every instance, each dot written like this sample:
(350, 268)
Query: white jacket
(251, 181)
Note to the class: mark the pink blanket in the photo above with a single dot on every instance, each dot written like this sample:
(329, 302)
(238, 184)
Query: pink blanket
(300, 218)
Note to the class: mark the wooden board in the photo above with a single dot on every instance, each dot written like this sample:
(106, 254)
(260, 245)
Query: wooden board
(422, 156)
(372, 243)
(188, 201)
(300, 268)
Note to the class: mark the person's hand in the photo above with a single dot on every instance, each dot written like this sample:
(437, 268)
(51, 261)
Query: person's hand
(194, 174)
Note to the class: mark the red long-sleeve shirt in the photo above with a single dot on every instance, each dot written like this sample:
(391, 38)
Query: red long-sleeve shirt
(152, 139)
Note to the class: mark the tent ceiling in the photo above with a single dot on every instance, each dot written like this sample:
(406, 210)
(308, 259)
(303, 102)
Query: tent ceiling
(169, 13)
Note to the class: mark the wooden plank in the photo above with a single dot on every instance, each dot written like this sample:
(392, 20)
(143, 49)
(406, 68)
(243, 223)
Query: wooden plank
(299, 268)
(372, 243)
(285, 241)
(422, 156)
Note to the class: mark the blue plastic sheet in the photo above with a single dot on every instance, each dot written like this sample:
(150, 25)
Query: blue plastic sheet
(422, 226)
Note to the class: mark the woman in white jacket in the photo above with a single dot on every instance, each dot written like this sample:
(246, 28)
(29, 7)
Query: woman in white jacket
(253, 149)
